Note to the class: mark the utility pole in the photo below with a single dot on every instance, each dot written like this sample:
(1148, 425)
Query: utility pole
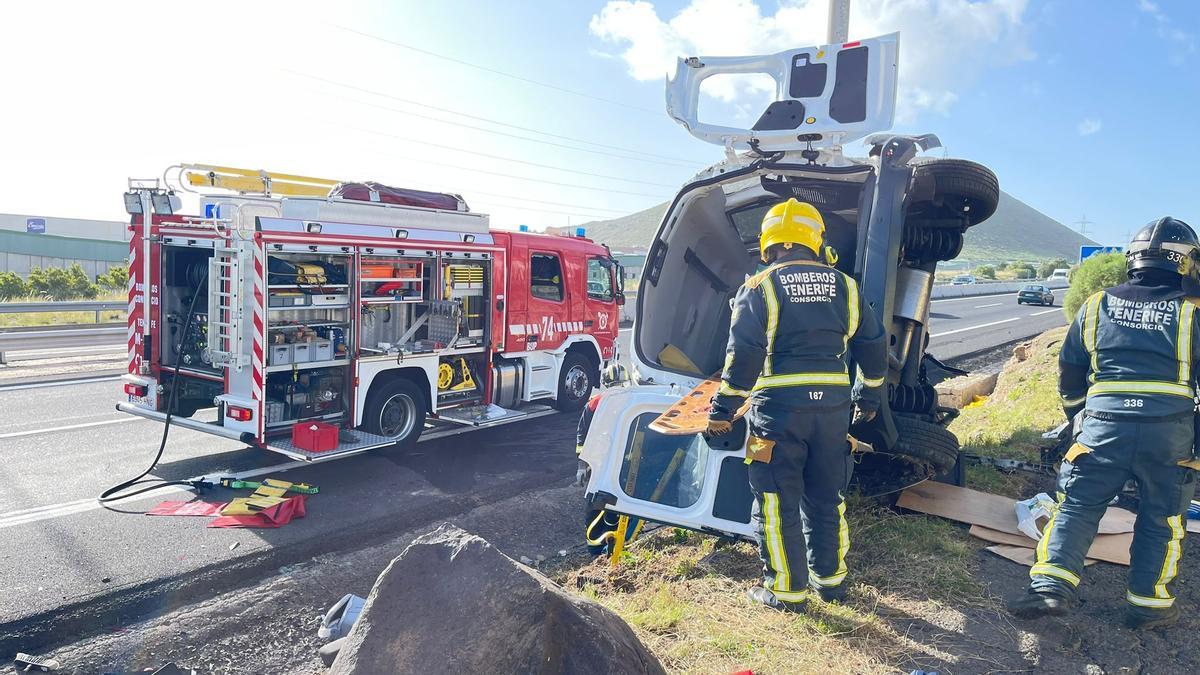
(1083, 223)
(839, 22)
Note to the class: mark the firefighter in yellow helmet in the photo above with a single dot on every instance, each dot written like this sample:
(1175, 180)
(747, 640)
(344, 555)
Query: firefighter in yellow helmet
(799, 338)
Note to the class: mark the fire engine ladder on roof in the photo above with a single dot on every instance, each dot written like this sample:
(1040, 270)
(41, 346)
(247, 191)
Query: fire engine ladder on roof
(253, 181)
(226, 309)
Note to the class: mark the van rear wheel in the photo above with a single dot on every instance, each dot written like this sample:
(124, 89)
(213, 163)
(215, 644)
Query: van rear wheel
(396, 410)
(576, 379)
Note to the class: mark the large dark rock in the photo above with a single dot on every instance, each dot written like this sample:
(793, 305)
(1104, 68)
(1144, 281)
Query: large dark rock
(451, 603)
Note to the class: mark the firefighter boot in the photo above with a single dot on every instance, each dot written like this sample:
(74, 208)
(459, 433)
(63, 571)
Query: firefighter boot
(836, 594)
(1039, 603)
(1146, 618)
(764, 596)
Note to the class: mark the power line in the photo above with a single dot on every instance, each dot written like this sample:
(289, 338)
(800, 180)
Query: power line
(494, 71)
(522, 138)
(542, 201)
(559, 213)
(541, 181)
(510, 159)
(518, 127)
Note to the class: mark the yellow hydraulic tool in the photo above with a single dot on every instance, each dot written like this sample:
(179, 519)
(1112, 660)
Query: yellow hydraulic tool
(449, 380)
(255, 181)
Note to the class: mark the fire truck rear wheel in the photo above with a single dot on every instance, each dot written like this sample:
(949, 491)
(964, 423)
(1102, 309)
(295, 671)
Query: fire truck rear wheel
(396, 410)
(576, 380)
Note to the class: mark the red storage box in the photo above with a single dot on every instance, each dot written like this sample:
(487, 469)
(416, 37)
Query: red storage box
(315, 436)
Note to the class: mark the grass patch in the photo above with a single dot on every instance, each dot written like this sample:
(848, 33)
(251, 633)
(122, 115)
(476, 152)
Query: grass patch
(684, 595)
(1025, 405)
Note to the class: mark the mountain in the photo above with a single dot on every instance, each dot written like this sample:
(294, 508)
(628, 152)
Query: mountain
(1017, 231)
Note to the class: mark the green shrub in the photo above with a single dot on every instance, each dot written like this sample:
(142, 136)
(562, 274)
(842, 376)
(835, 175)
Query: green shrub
(1094, 274)
(115, 279)
(62, 284)
(985, 271)
(1001, 267)
(1047, 268)
(12, 286)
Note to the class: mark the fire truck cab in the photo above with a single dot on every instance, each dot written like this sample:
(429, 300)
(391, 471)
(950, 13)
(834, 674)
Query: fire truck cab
(377, 316)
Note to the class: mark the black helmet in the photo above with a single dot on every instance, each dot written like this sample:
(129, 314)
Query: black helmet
(1165, 244)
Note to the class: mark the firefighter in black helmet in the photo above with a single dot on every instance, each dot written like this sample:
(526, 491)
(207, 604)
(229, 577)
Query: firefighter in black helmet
(1127, 376)
(795, 326)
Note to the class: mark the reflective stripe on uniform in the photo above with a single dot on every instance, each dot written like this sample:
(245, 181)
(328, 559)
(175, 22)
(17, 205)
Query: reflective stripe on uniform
(726, 390)
(852, 308)
(1140, 387)
(773, 533)
(837, 577)
(802, 379)
(1143, 601)
(1091, 324)
(578, 449)
(871, 381)
(1049, 570)
(1170, 566)
(1073, 401)
(1187, 313)
(772, 321)
(1045, 568)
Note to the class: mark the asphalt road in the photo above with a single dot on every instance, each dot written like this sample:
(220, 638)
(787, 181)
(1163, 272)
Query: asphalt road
(68, 566)
(62, 445)
(964, 326)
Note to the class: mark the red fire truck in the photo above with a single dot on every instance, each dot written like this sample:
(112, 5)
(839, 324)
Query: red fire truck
(324, 319)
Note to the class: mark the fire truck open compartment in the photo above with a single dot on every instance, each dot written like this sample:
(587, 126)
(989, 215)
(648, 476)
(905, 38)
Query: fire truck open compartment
(710, 246)
(384, 319)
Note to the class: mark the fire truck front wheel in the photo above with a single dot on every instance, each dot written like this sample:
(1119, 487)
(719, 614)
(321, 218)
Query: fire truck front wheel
(396, 410)
(576, 379)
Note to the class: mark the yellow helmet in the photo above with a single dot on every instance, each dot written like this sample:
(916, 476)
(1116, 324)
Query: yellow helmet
(792, 222)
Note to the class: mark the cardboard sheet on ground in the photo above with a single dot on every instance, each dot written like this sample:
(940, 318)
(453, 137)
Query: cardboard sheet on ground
(1020, 554)
(1113, 548)
(276, 516)
(992, 511)
(187, 509)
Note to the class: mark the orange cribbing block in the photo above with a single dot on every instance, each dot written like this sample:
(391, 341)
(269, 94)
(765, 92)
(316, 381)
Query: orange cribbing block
(689, 415)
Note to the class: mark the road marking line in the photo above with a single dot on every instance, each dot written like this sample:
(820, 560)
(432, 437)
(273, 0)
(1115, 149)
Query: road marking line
(994, 304)
(31, 432)
(58, 383)
(1046, 311)
(982, 325)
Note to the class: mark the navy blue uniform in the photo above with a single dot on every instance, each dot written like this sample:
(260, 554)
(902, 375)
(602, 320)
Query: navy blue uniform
(1127, 367)
(796, 326)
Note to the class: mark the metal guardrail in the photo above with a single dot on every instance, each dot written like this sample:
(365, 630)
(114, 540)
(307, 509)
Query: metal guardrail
(23, 338)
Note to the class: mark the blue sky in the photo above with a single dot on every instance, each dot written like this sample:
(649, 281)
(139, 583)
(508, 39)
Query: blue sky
(1079, 106)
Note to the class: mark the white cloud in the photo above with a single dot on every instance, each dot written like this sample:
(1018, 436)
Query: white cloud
(1182, 43)
(1088, 126)
(947, 45)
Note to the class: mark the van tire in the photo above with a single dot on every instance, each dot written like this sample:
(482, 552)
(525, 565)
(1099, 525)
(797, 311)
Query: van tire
(966, 187)
(927, 443)
(576, 379)
(397, 408)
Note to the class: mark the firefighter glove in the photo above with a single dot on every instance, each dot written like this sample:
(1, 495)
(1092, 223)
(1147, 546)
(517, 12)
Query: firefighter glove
(718, 427)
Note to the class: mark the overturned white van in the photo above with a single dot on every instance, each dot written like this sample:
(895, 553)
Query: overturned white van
(891, 215)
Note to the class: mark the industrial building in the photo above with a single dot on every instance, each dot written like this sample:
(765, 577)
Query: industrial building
(30, 241)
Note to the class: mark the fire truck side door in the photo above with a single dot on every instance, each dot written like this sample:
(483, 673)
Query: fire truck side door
(548, 299)
(600, 315)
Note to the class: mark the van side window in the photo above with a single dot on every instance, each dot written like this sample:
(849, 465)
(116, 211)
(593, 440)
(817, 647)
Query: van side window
(545, 277)
(599, 279)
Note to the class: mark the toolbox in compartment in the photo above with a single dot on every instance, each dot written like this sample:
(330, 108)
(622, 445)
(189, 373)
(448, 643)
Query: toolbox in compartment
(315, 436)
(294, 395)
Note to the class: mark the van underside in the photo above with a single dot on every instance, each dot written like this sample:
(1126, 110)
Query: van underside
(711, 246)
